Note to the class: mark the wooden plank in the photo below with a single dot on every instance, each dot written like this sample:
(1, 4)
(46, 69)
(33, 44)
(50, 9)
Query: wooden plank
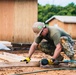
(11, 57)
(6, 58)
(20, 64)
(14, 60)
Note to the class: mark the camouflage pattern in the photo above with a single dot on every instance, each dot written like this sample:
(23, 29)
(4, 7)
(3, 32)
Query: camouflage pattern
(67, 45)
(68, 50)
(49, 49)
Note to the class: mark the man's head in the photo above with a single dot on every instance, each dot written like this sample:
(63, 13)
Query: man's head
(38, 26)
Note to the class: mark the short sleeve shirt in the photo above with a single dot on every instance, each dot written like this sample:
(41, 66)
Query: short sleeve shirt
(53, 35)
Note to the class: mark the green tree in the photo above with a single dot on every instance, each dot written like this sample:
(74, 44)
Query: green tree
(47, 11)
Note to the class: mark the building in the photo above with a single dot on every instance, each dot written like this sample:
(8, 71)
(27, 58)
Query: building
(68, 23)
(16, 20)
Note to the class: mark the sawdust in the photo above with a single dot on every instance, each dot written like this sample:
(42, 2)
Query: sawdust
(37, 54)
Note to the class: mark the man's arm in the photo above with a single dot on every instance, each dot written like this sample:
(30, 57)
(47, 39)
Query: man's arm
(57, 51)
(32, 49)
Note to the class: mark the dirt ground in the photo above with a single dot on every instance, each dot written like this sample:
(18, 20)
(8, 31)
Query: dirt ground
(37, 54)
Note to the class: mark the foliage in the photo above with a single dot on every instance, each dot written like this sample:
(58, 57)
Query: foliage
(47, 11)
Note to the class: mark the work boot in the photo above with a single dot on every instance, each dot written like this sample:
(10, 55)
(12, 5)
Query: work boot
(73, 63)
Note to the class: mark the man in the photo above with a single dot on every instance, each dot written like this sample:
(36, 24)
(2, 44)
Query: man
(55, 41)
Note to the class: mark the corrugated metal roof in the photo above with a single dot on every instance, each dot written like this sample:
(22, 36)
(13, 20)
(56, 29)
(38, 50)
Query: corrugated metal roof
(66, 19)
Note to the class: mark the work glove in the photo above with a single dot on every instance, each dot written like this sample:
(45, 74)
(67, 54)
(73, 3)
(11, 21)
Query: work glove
(51, 61)
(27, 60)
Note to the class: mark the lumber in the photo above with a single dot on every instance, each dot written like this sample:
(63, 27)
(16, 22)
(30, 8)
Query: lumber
(11, 57)
(6, 58)
(14, 57)
(14, 60)
(20, 64)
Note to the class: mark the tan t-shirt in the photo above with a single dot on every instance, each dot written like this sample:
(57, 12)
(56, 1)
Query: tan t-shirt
(53, 35)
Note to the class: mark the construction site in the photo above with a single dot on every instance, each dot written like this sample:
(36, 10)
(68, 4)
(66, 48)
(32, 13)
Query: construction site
(16, 36)
(10, 63)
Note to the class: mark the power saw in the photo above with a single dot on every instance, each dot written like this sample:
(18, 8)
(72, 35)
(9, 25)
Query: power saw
(46, 61)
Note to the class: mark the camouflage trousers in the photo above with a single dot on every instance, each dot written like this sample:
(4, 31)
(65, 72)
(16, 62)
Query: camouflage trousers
(49, 49)
(67, 44)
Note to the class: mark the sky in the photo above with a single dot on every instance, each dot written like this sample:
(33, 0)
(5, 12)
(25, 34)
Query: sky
(56, 2)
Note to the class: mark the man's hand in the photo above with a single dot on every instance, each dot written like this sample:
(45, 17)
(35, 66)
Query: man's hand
(51, 61)
(27, 60)
(47, 61)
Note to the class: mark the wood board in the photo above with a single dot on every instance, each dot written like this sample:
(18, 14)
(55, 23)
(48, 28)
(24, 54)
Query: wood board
(14, 60)
(20, 64)
(11, 57)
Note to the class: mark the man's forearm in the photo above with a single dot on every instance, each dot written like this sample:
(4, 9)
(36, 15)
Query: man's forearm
(57, 51)
(32, 49)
